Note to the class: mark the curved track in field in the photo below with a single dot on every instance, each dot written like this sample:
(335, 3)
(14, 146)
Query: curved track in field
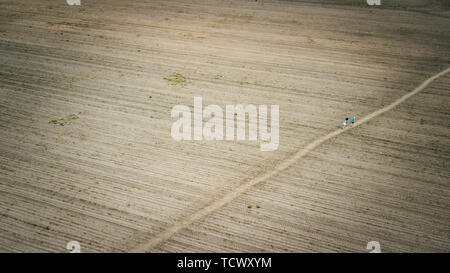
(282, 166)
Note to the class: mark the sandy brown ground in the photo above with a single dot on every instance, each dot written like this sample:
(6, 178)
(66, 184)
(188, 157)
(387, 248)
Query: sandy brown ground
(85, 146)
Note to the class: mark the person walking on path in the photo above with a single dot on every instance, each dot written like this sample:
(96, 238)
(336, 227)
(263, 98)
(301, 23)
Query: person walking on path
(353, 120)
(346, 122)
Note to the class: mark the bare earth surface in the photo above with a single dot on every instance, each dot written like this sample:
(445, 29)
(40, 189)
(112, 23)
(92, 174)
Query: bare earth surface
(86, 154)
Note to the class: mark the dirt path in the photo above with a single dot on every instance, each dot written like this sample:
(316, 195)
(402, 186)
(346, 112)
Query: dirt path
(282, 166)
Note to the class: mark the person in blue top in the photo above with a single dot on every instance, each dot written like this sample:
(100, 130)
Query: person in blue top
(353, 120)
(345, 122)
